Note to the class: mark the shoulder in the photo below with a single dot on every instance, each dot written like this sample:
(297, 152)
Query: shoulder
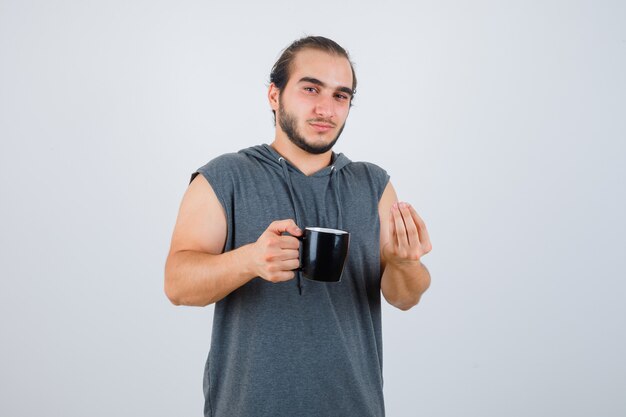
(366, 177)
(367, 167)
(225, 161)
(369, 172)
(226, 166)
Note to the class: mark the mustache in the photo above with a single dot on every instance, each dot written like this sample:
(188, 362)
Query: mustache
(325, 121)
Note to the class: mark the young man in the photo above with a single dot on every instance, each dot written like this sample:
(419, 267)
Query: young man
(283, 345)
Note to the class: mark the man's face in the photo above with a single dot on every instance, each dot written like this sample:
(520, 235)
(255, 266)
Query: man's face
(315, 103)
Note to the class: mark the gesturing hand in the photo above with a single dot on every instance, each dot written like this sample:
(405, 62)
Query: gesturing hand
(274, 256)
(408, 237)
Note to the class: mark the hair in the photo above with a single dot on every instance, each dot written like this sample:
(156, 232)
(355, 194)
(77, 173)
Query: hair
(281, 71)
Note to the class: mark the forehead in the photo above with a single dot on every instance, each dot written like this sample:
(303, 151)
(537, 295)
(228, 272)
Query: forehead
(334, 70)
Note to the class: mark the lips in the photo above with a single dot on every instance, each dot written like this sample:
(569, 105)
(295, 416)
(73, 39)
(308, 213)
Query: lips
(321, 127)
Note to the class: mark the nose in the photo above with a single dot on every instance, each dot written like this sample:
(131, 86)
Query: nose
(325, 106)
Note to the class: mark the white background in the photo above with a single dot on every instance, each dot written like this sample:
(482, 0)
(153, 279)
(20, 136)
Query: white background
(504, 123)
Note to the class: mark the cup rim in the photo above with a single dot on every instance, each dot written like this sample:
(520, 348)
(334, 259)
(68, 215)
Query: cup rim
(327, 230)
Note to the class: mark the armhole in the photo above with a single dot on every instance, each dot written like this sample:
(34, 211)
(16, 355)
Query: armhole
(219, 193)
(384, 181)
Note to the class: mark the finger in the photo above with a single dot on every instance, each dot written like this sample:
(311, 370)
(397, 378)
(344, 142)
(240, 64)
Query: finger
(283, 276)
(423, 232)
(409, 224)
(290, 265)
(399, 226)
(393, 236)
(280, 226)
(288, 242)
(287, 254)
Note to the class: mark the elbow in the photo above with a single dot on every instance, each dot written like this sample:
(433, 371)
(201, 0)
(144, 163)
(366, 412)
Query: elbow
(178, 297)
(406, 305)
(181, 292)
(168, 283)
(402, 300)
(405, 290)
(175, 301)
(171, 293)
(171, 286)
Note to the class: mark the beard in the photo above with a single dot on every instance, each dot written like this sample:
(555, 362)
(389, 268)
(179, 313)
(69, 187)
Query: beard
(289, 125)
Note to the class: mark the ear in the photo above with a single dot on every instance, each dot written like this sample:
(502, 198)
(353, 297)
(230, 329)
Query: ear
(273, 95)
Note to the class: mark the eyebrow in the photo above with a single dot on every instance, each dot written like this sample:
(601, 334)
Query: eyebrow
(322, 84)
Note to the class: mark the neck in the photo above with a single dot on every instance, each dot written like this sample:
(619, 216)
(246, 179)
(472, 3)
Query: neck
(306, 162)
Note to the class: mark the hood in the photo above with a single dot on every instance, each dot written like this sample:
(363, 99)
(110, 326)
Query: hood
(266, 154)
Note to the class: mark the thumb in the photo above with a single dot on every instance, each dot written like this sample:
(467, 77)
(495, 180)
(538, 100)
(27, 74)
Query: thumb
(288, 225)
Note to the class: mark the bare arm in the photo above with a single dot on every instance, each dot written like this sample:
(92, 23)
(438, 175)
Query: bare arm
(403, 241)
(198, 272)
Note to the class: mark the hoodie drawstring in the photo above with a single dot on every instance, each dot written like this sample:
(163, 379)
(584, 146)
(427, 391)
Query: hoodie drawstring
(283, 164)
(333, 185)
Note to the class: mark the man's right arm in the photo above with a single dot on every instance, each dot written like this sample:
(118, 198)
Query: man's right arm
(199, 273)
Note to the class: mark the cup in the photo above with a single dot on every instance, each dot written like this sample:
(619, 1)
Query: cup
(323, 253)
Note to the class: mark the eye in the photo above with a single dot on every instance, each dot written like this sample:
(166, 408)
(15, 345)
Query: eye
(342, 97)
(310, 89)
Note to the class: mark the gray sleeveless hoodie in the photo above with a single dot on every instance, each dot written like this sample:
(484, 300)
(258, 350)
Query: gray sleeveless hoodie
(298, 348)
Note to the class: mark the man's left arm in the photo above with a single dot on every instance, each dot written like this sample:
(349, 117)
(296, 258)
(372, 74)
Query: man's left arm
(403, 241)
